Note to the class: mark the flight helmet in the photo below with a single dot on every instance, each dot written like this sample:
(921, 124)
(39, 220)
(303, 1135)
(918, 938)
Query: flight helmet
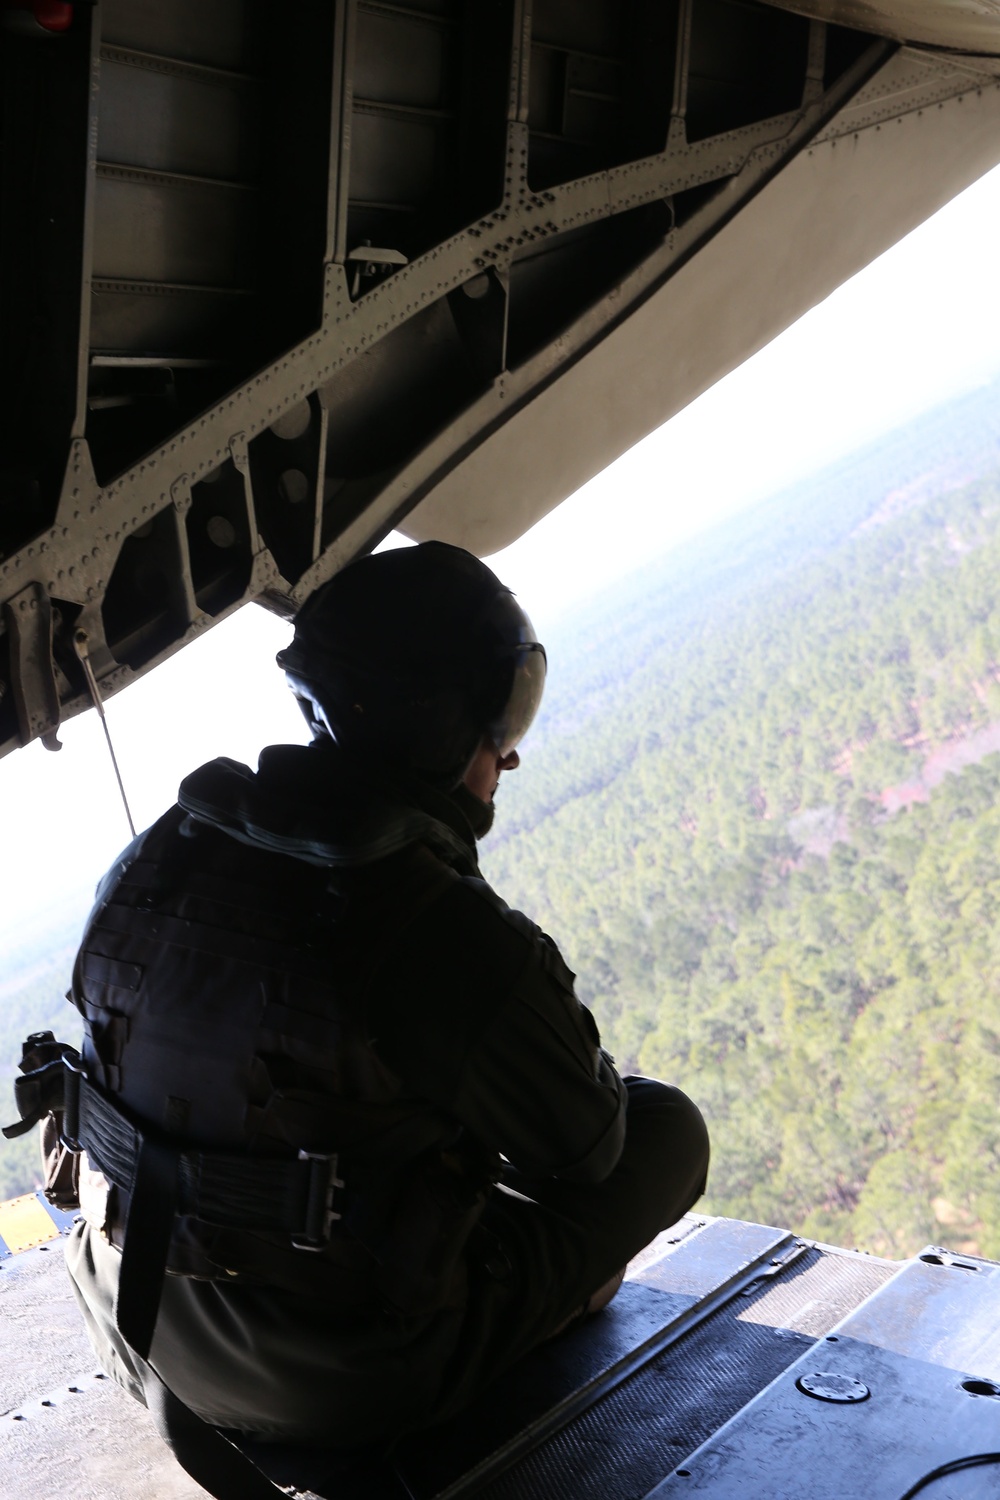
(409, 657)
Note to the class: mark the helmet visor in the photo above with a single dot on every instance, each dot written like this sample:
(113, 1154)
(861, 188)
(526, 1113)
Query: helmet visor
(512, 723)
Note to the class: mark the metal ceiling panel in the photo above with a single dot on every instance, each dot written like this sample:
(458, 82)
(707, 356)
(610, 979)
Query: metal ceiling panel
(268, 289)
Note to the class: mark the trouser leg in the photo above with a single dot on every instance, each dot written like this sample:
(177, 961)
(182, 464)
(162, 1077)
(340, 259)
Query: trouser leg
(546, 1245)
(660, 1174)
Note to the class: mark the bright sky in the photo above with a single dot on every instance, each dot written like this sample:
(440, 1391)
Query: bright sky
(919, 325)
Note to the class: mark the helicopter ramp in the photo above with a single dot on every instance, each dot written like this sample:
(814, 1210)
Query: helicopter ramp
(738, 1360)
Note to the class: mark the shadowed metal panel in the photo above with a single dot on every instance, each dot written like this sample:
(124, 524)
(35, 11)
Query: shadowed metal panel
(170, 116)
(138, 317)
(162, 227)
(400, 58)
(394, 156)
(741, 72)
(221, 34)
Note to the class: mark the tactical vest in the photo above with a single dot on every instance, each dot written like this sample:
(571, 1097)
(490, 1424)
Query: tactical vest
(230, 1117)
(222, 987)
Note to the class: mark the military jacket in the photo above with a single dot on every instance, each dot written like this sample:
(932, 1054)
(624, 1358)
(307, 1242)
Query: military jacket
(303, 959)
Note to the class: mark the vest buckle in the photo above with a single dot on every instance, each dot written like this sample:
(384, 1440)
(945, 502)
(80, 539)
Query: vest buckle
(322, 1183)
(74, 1073)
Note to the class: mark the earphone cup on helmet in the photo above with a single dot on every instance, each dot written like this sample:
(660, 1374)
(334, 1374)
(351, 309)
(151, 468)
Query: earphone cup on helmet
(408, 657)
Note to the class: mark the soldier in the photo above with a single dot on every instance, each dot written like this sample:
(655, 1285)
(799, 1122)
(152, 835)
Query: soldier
(350, 1143)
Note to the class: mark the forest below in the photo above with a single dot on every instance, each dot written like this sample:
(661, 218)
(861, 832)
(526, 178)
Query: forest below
(728, 822)
(736, 818)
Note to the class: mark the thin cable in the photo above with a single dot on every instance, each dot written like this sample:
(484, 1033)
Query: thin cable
(81, 646)
(971, 1461)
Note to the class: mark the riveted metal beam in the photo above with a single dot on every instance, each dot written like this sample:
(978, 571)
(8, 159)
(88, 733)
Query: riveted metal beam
(454, 207)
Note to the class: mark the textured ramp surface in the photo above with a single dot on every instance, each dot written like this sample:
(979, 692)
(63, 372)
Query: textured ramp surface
(42, 1331)
(66, 1430)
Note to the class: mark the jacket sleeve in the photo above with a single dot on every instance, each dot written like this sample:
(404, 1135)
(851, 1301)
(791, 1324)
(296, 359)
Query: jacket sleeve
(503, 1042)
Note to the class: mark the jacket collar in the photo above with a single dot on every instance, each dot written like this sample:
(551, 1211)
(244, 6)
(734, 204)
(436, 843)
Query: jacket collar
(315, 804)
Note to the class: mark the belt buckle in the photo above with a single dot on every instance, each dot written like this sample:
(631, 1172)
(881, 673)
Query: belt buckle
(320, 1213)
(69, 1136)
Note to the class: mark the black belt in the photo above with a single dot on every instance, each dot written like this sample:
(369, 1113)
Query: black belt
(289, 1195)
(282, 1195)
